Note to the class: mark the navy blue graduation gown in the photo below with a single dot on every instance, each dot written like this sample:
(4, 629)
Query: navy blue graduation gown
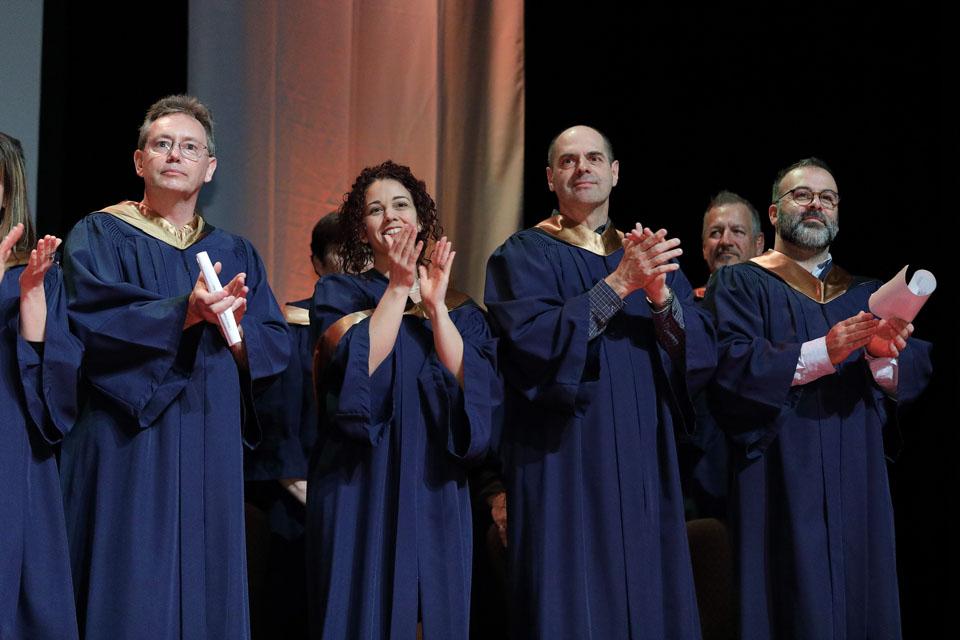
(38, 391)
(388, 506)
(810, 500)
(152, 472)
(287, 411)
(597, 540)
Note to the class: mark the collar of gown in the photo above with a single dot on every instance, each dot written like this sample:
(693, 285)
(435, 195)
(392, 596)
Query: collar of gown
(802, 281)
(567, 231)
(151, 223)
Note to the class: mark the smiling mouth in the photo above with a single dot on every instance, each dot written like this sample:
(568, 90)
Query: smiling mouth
(392, 231)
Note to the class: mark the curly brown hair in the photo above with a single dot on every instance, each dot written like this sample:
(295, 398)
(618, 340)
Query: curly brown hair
(357, 255)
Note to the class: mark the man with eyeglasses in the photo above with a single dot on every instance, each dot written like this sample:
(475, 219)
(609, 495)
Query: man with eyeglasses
(806, 381)
(152, 472)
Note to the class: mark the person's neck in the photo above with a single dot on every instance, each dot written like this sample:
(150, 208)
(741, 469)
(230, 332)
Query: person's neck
(806, 258)
(591, 217)
(172, 206)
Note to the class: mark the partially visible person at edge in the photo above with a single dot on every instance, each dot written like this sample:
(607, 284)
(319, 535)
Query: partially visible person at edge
(600, 344)
(276, 471)
(406, 366)
(806, 382)
(153, 470)
(39, 359)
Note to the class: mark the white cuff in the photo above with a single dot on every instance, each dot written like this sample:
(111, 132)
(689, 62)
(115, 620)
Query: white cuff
(814, 362)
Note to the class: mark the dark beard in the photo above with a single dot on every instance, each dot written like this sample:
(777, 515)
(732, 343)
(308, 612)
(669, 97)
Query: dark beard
(790, 228)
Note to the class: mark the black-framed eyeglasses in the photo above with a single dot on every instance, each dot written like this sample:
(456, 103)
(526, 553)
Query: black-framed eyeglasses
(188, 149)
(804, 196)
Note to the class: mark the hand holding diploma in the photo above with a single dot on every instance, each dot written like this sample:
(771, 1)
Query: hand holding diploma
(223, 306)
(901, 299)
(898, 302)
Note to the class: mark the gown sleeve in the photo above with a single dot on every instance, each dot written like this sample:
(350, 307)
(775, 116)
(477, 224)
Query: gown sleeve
(265, 331)
(49, 376)
(365, 411)
(544, 335)
(753, 380)
(462, 417)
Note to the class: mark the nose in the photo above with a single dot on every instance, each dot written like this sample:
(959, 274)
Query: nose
(174, 151)
(583, 166)
(727, 238)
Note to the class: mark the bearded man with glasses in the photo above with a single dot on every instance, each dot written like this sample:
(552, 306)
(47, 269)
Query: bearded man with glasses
(806, 381)
(152, 472)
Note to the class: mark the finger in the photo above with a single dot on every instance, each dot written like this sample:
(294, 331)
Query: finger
(236, 284)
(650, 240)
(416, 252)
(850, 337)
(662, 247)
(12, 238)
(666, 257)
(238, 304)
(217, 267)
(207, 297)
(667, 268)
(219, 307)
(448, 253)
(422, 271)
(406, 244)
(860, 322)
(449, 264)
(857, 344)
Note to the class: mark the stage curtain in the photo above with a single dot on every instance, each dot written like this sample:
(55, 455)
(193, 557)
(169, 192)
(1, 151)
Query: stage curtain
(307, 93)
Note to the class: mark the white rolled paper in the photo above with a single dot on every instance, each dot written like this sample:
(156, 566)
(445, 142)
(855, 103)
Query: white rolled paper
(227, 322)
(900, 299)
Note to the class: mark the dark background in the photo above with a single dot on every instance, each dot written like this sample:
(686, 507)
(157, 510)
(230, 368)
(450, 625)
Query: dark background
(693, 102)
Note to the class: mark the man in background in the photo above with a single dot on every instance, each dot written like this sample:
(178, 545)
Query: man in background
(276, 471)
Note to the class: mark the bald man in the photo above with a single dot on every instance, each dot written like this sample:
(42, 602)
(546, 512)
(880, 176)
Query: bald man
(599, 333)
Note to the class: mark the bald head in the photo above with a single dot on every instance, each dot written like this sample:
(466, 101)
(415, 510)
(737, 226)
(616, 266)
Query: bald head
(552, 149)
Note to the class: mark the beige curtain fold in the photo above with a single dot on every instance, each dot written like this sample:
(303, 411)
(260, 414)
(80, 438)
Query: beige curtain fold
(306, 94)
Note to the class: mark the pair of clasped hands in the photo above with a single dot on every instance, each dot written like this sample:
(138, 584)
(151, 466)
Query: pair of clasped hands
(402, 253)
(645, 264)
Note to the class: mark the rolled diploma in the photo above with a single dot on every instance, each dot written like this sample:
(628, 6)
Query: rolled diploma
(227, 322)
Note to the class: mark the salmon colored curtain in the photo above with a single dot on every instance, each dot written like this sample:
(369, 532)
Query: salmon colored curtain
(307, 93)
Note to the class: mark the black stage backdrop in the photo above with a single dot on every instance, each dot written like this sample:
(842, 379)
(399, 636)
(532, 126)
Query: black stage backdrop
(722, 98)
(693, 102)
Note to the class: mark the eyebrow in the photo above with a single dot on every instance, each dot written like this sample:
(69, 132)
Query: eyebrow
(594, 152)
(391, 199)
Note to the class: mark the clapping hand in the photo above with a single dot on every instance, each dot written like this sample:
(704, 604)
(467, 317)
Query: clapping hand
(7, 244)
(40, 261)
(435, 277)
